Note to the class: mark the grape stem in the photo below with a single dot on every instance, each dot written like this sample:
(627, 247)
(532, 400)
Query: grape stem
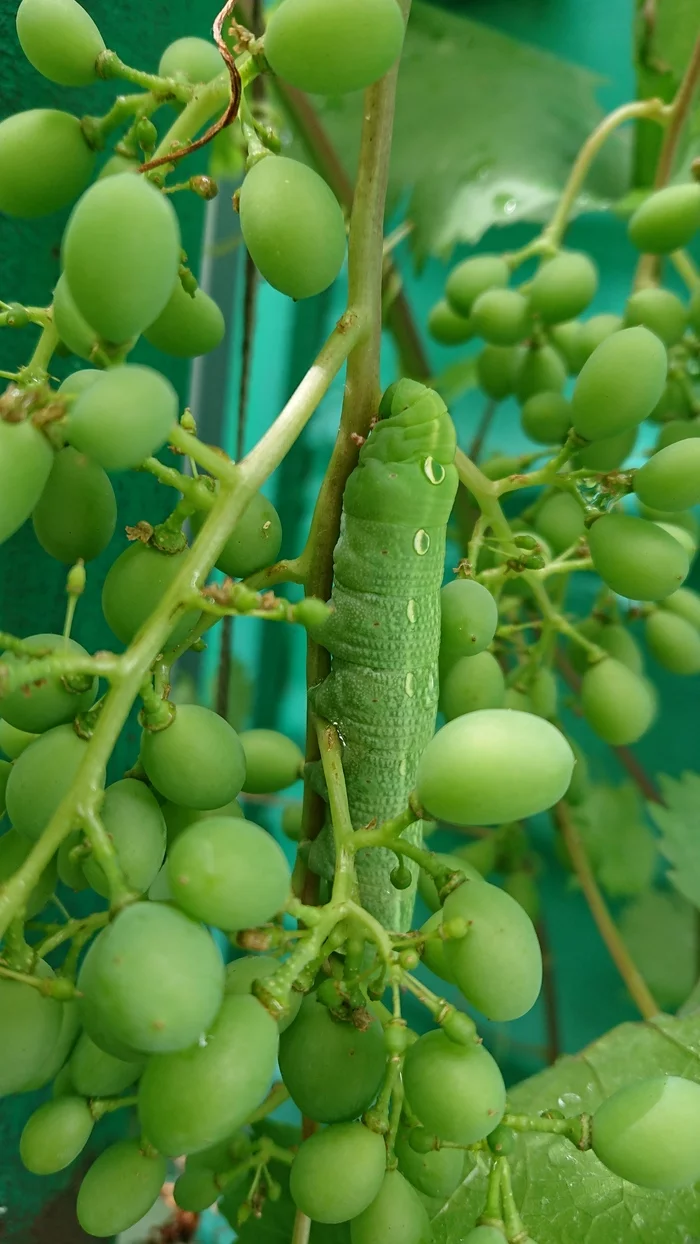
(515, 1229)
(57, 986)
(572, 1129)
(632, 977)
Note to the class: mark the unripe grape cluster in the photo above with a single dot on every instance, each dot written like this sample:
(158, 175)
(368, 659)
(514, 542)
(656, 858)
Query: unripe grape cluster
(140, 1007)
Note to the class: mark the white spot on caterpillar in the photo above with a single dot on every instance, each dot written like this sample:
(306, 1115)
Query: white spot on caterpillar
(433, 471)
(402, 766)
(421, 542)
(409, 684)
(411, 610)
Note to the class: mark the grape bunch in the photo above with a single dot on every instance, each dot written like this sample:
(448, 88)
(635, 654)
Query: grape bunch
(134, 1006)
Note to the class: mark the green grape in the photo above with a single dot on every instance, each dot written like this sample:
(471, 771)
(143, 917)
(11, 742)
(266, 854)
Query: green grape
(592, 332)
(229, 873)
(493, 766)
(331, 1068)
(55, 1134)
(637, 558)
(272, 761)
(447, 327)
(522, 887)
(474, 277)
(197, 761)
(501, 317)
(45, 162)
(30, 1026)
(95, 1073)
(26, 459)
(498, 965)
(255, 541)
(649, 1132)
(135, 825)
(124, 417)
(241, 973)
(292, 223)
(609, 453)
(133, 588)
(580, 785)
(619, 643)
(195, 1190)
(187, 326)
(673, 404)
(41, 777)
(338, 1172)
(677, 430)
(470, 684)
(195, 60)
(468, 619)
(76, 514)
(39, 707)
(178, 819)
(14, 850)
(540, 369)
(686, 603)
(560, 520)
(122, 287)
(620, 383)
(118, 164)
(74, 331)
(56, 1061)
(563, 287)
(426, 885)
(306, 43)
(435, 1174)
(119, 1188)
(667, 220)
(685, 538)
(658, 310)
(683, 518)
(62, 1086)
(396, 1216)
(457, 1091)
(543, 693)
(13, 742)
(546, 418)
(495, 370)
(565, 338)
(78, 382)
(616, 702)
(670, 480)
(518, 699)
(153, 979)
(60, 40)
(292, 814)
(674, 642)
(433, 952)
(500, 465)
(70, 868)
(197, 1096)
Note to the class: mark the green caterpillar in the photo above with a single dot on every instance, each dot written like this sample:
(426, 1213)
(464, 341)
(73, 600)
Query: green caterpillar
(384, 634)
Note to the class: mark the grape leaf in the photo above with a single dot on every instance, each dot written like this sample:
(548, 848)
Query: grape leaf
(659, 932)
(620, 845)
(486, 131)
(568, 1197)
(679, 825)
(665, 33)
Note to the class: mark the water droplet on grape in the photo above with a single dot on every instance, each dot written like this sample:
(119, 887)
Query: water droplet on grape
(409, 685)
(411, 610)
(421, 542)
(433, 471)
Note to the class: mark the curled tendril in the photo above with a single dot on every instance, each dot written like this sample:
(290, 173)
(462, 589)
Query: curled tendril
(233, 105)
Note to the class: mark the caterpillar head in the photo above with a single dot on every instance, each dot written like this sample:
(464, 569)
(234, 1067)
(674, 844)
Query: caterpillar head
(414, 423)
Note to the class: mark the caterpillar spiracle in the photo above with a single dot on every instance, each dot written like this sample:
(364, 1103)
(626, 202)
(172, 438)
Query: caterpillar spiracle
(384, 632)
